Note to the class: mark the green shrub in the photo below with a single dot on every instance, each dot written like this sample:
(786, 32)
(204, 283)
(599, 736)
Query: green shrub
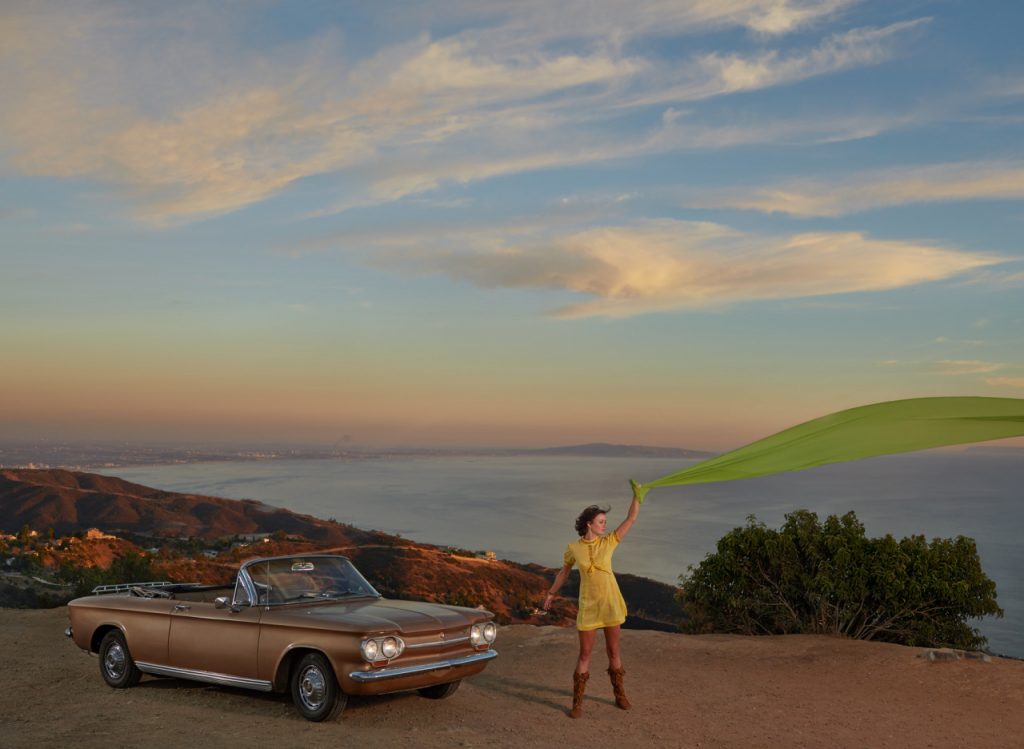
(130, 567)
(813, 577)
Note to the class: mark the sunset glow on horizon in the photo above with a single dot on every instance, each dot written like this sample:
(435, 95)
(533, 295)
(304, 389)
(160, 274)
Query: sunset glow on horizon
(503, 224)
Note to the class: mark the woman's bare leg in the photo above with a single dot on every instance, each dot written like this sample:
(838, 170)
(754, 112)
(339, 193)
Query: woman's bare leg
(611, 644)
(615, 670)
(586, 648)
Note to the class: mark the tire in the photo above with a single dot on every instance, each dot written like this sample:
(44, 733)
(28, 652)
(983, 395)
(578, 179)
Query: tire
(315, 691)
(440, 691)
(116, 664)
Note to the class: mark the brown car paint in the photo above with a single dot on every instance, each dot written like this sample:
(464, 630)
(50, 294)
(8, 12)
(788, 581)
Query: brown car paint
(257, 642)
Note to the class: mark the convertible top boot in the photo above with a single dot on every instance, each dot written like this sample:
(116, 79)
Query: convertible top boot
(617, 675)
(579, 685)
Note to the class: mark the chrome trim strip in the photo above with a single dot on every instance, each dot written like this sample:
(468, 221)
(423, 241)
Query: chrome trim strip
(245, 580)
(391, 673)
(206, 676)
(437, 643)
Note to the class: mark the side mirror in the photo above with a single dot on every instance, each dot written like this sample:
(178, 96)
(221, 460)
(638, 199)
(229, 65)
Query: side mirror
(223, 602)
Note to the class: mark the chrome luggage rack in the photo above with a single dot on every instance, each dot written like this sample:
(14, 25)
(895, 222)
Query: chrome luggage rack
(146, 590)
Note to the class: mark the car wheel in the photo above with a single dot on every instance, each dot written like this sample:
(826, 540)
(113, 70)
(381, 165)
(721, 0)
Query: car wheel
(116, 664)
(315, 691)
(440, 691)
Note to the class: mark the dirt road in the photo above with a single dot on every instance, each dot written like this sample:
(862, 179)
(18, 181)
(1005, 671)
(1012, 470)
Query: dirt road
(688, 691)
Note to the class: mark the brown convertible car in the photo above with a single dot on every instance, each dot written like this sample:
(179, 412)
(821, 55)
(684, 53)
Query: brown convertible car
(309, 624)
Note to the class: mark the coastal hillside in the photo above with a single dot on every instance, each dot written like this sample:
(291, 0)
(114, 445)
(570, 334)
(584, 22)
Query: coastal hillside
(195, 538)
(68, 501)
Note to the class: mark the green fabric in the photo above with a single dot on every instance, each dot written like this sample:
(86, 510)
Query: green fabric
(862, 432)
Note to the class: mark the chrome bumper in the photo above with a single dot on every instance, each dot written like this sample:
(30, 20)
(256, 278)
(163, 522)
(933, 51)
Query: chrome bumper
(67, 632)
(391, 673)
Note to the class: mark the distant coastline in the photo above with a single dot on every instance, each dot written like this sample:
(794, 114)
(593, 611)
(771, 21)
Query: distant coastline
(75, 457)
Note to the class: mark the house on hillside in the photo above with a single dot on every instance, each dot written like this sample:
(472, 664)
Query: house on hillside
(95, 534)
(251, 537)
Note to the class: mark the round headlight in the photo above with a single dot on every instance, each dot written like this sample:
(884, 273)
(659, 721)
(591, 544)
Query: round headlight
(490, 632)
(476, 634)
(370, 650)
(389, 648)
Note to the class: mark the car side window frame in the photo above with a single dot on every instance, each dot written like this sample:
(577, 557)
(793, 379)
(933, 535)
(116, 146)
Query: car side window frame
(245, 585)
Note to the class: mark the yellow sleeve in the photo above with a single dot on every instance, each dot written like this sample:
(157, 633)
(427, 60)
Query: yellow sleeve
(612, 539)
(569, 559)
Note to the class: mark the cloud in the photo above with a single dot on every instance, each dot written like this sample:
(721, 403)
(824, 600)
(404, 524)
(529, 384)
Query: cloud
(1010, 382)
(418, 173)
(1010, 86)
(173, 111)
(660, 265)
(531, 22)
(957, 367)
(961, 181)
(716, 74)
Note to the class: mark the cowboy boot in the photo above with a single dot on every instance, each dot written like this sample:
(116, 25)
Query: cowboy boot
(579, 685)
(617, 675)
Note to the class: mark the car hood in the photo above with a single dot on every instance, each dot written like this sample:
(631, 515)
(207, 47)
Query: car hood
(382, 615)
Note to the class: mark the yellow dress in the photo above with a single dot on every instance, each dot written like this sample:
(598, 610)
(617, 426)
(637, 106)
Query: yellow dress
(601, 603)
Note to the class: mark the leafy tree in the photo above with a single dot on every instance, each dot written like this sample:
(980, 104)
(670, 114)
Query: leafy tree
(815, 577)
(130, 567)
(461, 597)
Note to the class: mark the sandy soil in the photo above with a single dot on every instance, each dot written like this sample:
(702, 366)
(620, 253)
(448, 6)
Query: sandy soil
(688, 691)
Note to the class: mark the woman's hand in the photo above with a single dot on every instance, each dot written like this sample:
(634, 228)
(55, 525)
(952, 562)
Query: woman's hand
(547, 601)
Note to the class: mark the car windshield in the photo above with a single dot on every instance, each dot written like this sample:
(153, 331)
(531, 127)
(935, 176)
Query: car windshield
(308, 578)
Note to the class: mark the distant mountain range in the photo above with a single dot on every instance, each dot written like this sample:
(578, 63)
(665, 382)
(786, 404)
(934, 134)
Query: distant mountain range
(606, 450)
(85, 457)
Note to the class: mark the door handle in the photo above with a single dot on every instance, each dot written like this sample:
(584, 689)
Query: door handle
(182, 607)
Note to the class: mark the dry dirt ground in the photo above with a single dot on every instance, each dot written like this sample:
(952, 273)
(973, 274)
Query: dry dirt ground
(688, 691)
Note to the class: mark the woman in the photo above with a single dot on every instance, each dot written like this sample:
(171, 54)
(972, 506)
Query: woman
(601, 604)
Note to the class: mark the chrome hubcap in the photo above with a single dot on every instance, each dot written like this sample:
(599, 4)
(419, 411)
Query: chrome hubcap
(114, 661)
(312, 688)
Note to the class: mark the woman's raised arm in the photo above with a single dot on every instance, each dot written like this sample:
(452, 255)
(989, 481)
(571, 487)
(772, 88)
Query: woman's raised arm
(634, 510)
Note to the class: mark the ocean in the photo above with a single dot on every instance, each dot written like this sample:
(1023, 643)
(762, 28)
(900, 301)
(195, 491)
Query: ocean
(523, 507)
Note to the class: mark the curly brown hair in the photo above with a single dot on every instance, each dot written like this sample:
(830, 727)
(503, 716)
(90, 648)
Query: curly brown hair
(586, 516)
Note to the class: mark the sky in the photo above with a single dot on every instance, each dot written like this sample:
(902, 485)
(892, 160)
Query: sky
(686, 223)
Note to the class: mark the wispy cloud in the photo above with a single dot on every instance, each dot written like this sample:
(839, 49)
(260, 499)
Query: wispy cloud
(961, 181)
(1010, 382)
(659, 265)
(957, 367)
(1006, 85)
(715, 74)
(229, 129)
(531, 22)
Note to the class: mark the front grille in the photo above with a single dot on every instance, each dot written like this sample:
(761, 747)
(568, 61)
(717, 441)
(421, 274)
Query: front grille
(447, 641)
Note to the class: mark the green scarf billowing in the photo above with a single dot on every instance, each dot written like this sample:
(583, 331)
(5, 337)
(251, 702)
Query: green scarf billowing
(862, 432)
